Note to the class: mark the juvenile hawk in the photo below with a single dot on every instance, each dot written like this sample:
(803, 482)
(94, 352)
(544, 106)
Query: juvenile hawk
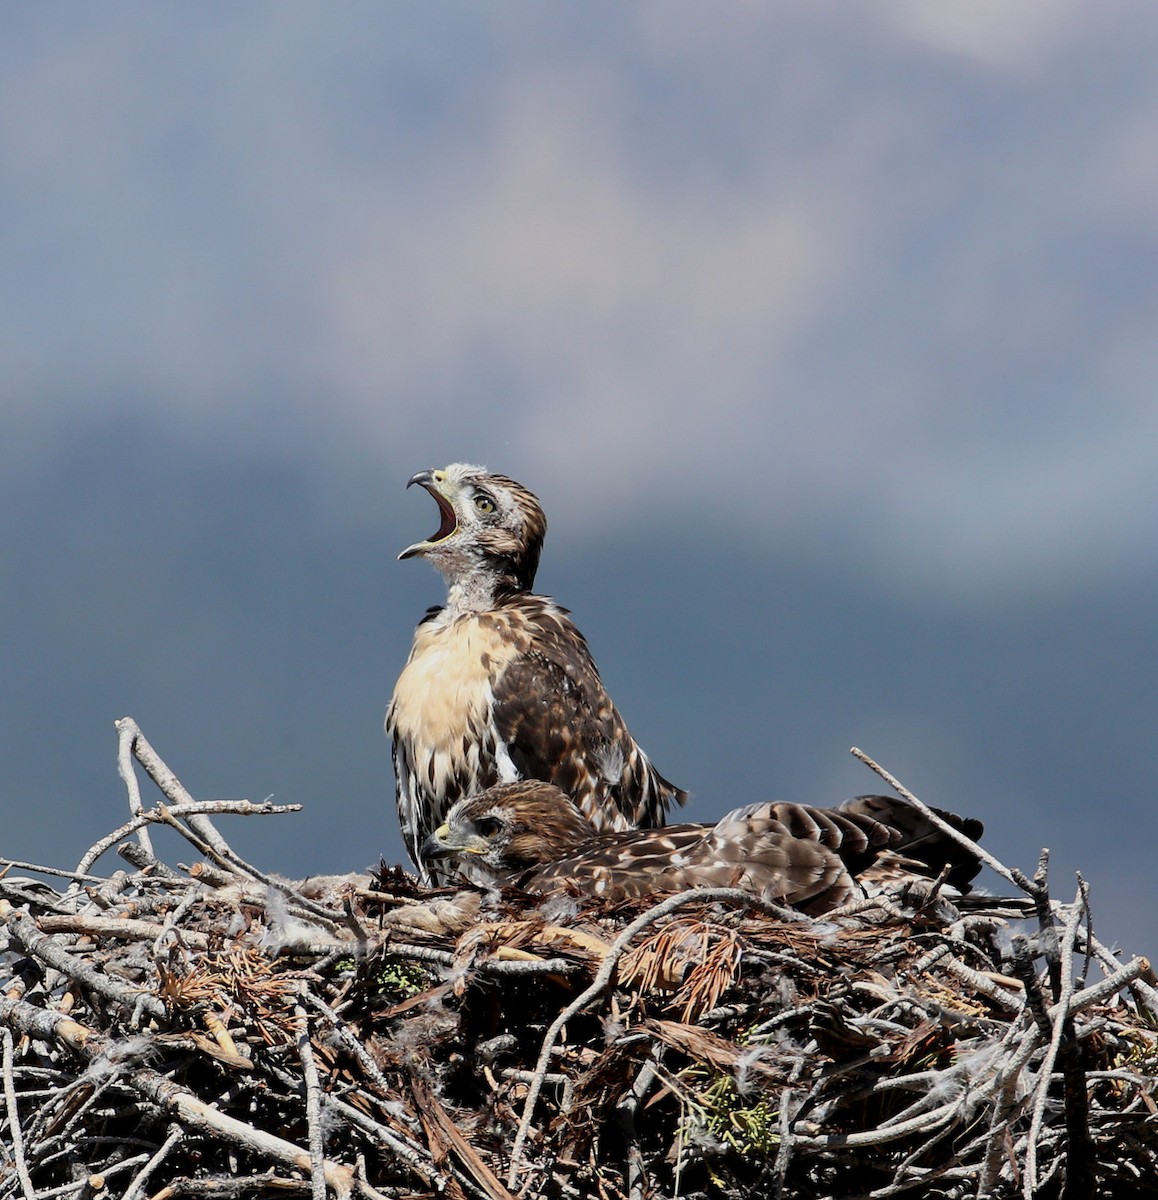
(500, 685)
(530, 835)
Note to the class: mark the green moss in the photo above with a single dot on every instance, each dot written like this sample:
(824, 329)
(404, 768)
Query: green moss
(746, 1123)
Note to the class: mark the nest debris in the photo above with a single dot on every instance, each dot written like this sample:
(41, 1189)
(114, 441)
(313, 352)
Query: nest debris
(212, 1031)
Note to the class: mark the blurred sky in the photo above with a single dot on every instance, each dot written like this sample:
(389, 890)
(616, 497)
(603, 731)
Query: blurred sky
(826, 333)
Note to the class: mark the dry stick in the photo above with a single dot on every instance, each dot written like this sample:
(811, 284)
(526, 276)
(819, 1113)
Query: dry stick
(228, 1189)
(244, 808)
(627, 1108)
(1144, 993)
(1025, 971)
(1060, 1018)
(353, 1044)
(158, 771)
(137, 1185)
(108, 894)
(216, 848)
(44, 1024)
(66, 1112)
(927, 1121)
(28, 866)
(602, 979)
(1031, 1039)
(157, 871)
(1079, 1180)
(943, 825)
(14, 1118)
(1104, 988)
(205, 1118)
(96, 1181)
(127, 732)
(787, 1133)
(1084, 890)
(1039, 891)
(129, 928)
(313, 1084)
(210, 841)
(40, 945)
(406, 1149)
(410, 1152)
(1002, 997)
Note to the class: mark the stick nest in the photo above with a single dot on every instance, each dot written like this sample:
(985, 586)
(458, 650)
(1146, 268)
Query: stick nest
(209, 1030)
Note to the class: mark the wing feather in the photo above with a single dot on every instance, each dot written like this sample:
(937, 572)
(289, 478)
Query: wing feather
(560, 725)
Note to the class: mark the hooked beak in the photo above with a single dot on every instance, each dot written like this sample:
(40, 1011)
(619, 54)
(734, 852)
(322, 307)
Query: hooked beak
(439, 845)
(435, 845)
(448, 522)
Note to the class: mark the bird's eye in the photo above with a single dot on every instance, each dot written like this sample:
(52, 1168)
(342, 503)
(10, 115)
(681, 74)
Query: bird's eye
(487, 826)
(484, 503)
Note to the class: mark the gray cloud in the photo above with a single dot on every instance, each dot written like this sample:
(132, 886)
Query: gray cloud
(895, 267)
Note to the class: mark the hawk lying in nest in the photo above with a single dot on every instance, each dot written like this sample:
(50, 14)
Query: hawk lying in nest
(815, 859)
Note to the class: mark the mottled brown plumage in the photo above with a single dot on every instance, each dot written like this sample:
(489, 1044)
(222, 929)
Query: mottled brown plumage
(500, 684)
(811, 858)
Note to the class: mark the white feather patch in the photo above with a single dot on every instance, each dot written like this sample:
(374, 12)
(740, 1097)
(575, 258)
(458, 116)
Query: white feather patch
(504, 765)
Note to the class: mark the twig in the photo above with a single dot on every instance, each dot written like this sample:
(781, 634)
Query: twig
(98, 1180)
(352, 1044)
(1084, 890)
(923, 1123)
(1105, 988)
(127, 733)
(153, 816)
(1039, 892)
(1025, 971)
(317, 1140)
(44, 1024)
(982, 854)
(205, 1118)
(205, 834)
(14, 1118)
(1061, 1023)
(1006, 1000)
(156, 870)
(6, 863)
(124, 928)
(627, 1108)
(230, 1189)
(787, 1134)
(41, 946)
(137, 1185)
(410, 1152)
(1141, 985)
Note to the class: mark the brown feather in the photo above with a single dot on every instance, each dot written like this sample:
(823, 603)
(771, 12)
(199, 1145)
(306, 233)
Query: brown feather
(795, 854)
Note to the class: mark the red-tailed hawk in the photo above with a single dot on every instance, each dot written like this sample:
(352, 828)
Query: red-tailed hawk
(814, 859)
(500, 685)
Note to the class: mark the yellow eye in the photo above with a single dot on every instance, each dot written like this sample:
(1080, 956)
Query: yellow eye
(484, 503)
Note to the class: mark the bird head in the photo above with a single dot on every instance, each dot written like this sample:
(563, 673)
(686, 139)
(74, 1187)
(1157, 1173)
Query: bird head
(488, 524)
(510, 828)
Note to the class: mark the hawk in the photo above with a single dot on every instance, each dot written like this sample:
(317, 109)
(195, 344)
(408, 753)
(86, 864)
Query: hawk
(815, 859)
(500, 685)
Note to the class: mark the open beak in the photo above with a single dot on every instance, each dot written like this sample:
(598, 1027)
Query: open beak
(448, 522)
